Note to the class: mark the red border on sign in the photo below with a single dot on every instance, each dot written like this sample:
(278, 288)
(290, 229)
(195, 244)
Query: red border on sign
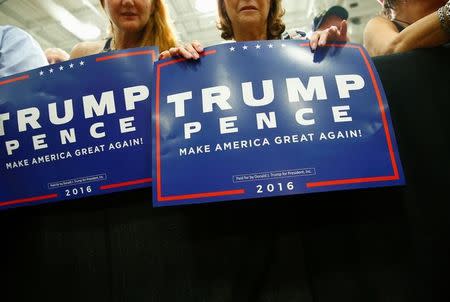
(21, 78)
(158, 145)
(113, 57)
(128, 54)
(27, 200)
(126, 184)
(104, 187)
(336, 182)
(396, 176)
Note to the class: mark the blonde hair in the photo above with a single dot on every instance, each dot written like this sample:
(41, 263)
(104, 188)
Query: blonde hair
(275, 24)
(158, 30)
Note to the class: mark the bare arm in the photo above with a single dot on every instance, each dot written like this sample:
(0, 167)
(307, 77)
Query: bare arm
(86, 48)
(381, 37)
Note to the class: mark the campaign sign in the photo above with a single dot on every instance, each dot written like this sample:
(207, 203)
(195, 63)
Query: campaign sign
(76, 129)
(259, 119)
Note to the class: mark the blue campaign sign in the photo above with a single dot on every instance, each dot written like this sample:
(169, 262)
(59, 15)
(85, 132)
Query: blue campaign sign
(270, 118)
(76, 129)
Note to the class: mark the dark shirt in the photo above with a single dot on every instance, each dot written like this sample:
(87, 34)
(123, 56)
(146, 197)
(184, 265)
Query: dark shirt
(107, 46)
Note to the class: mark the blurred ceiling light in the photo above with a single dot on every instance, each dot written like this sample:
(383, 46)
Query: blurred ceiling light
(93, 8)
(81, 30)
(206, 6)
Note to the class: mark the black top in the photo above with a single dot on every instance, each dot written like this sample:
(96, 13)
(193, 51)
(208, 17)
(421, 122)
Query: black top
(400, 25)
(107, 46)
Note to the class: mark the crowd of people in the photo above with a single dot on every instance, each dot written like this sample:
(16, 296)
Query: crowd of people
(402, 25)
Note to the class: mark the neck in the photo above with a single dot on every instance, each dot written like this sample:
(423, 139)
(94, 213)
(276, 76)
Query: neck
(415, 10)
(250, 34)
(123, 40)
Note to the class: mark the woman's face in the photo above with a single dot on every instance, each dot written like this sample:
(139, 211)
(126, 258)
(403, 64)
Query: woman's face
(128, 15)
(247, 12)
(418, 8)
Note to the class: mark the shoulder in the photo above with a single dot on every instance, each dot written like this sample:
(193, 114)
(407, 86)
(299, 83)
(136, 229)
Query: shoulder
(83, 49)
(380, 36)
(11, 34)
(377, 27)
(18, 42)
(379, 24)
(19, 51)
(12, 30)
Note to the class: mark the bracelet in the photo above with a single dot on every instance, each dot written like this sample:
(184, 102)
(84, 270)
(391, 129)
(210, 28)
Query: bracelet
(444, 17)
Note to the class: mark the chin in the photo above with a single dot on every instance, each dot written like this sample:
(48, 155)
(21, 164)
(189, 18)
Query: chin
(250, 18)
(131, 27)
(250, 23)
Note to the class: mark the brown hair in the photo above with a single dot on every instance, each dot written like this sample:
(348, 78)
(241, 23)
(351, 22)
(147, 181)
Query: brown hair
(158, 30)
(275, 24)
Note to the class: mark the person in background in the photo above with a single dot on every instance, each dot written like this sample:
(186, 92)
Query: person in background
(250, 20)
(334, 16)
(19, 52)
(330, 25)
(56, 55)
(406, 25)
(133, 23)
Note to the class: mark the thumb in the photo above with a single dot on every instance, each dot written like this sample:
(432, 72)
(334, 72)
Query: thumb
(343, 30)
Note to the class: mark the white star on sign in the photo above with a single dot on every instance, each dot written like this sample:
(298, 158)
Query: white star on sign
(41, 73)
(81, 63)
(51, 70)
(283, 45)
(245, 47)
(61, 68)
(270, 45)
(232, 48)
(258, 46)
(71, 65)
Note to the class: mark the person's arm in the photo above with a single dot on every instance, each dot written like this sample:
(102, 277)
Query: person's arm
(83, 49)
(381, 37)
(19, 52)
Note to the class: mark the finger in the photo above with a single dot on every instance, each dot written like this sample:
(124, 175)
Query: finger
(343, 30)
(323, 38)
(333, 34)
(164, 55)
(198, 46)
(179, 51)
(313, 41)
(185, 54)
(191, 49)
(173, 51)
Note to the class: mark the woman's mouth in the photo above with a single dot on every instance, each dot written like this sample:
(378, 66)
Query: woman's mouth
(248, 8)
(129, 14)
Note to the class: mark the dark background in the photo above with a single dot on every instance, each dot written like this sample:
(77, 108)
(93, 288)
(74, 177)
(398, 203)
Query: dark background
(388, 244)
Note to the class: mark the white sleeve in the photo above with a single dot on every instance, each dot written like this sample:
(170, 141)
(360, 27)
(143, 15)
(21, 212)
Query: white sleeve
(19, 52)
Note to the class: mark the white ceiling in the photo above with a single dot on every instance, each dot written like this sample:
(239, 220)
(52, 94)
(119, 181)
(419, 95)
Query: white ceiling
(34, 17)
